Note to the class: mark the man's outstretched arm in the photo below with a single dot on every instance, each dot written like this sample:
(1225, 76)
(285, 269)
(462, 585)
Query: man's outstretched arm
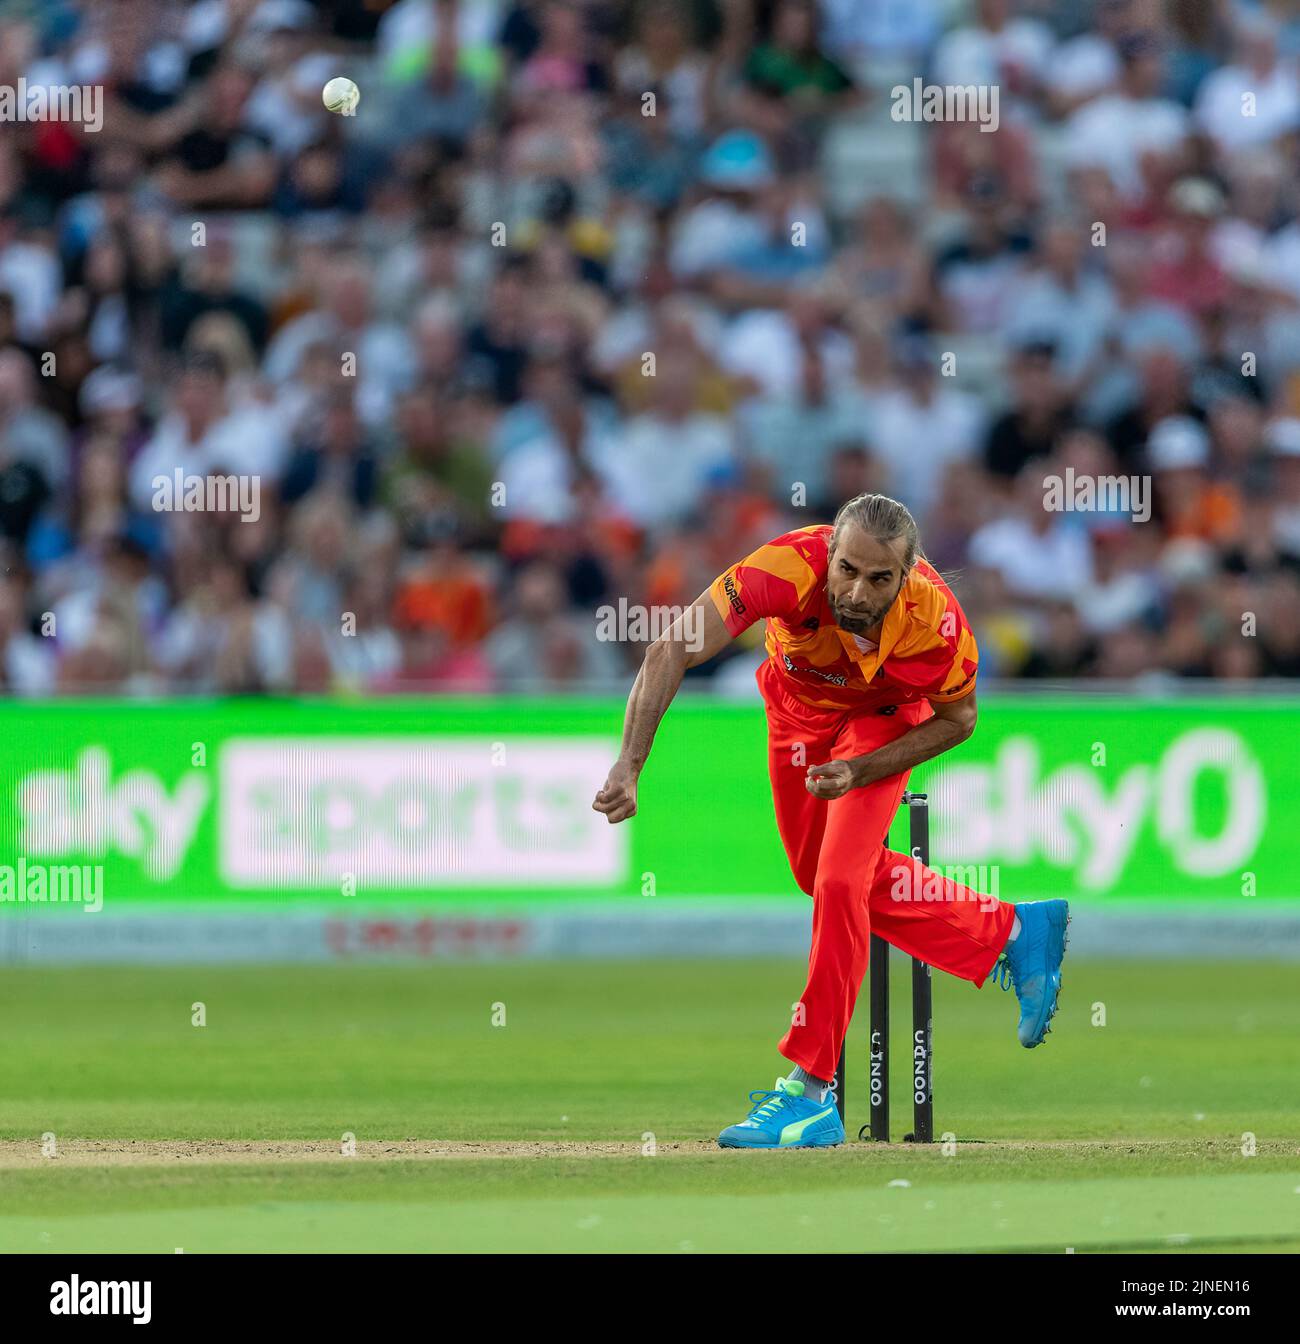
(695, 637)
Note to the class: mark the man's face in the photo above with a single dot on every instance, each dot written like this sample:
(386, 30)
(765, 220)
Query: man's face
(863, 578)
(1143, 75)
(198, 395)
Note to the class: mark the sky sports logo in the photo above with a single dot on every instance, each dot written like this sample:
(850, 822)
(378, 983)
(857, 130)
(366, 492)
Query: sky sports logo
(75, 1296)
(309, 812)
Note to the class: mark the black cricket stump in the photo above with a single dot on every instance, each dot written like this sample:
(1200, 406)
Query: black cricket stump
(877, 1128)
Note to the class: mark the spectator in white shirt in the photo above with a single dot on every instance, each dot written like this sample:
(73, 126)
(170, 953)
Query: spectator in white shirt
(1063, 299)
(346, 324)
(921, 425)
(892, 33)
(558, 440)
(998, 49)
(1088, 64)
(203, 435)
(29, 270)
(664, 458)
(1254, 100)
(1038, 554)
(1116, 130)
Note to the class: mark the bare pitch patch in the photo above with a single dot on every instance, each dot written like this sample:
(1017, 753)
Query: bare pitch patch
(16, 1154)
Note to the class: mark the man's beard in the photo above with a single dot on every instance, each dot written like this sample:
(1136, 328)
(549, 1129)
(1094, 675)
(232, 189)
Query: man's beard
(858, 623)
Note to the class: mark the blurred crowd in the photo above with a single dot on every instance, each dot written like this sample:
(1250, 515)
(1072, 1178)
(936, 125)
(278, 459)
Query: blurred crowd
(589, 299)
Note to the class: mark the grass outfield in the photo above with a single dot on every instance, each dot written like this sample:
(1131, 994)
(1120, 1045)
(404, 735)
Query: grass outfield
(225, 1137)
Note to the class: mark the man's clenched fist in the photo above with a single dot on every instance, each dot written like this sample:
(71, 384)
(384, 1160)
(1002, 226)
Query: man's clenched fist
(832, 780)
(617, 800)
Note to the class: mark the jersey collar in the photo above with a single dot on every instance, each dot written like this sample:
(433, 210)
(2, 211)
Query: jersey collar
(891, 632)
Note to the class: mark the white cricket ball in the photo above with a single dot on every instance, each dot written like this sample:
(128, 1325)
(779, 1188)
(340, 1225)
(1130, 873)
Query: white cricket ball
(341, 95)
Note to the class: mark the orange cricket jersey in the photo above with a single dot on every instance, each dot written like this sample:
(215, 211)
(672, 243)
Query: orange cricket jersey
(926, 652)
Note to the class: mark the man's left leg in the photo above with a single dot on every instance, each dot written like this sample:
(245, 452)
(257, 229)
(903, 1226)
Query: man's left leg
(861, 887)
(936, 919)
(959, 930)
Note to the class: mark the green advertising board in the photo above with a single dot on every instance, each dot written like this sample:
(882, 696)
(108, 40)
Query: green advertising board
(461, 802)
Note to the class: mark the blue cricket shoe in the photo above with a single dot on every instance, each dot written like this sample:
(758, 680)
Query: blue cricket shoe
(785, 1118)
(1032, 963)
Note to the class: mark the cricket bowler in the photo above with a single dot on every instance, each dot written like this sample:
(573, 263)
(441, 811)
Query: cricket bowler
(870, 670)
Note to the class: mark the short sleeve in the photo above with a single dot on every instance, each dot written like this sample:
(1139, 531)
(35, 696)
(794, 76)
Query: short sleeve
(958, 680)
(773, 581)
(937, 656)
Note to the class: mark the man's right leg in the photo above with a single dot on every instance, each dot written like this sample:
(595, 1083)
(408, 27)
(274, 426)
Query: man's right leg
(857, 824)
(797, 1113)
(797, 737)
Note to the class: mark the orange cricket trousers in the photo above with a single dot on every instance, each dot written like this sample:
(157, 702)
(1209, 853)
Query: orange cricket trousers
(838, 856)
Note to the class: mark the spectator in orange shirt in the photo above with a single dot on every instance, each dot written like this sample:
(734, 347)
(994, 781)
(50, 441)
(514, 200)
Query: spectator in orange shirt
(1187, 501)
(447, 593)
